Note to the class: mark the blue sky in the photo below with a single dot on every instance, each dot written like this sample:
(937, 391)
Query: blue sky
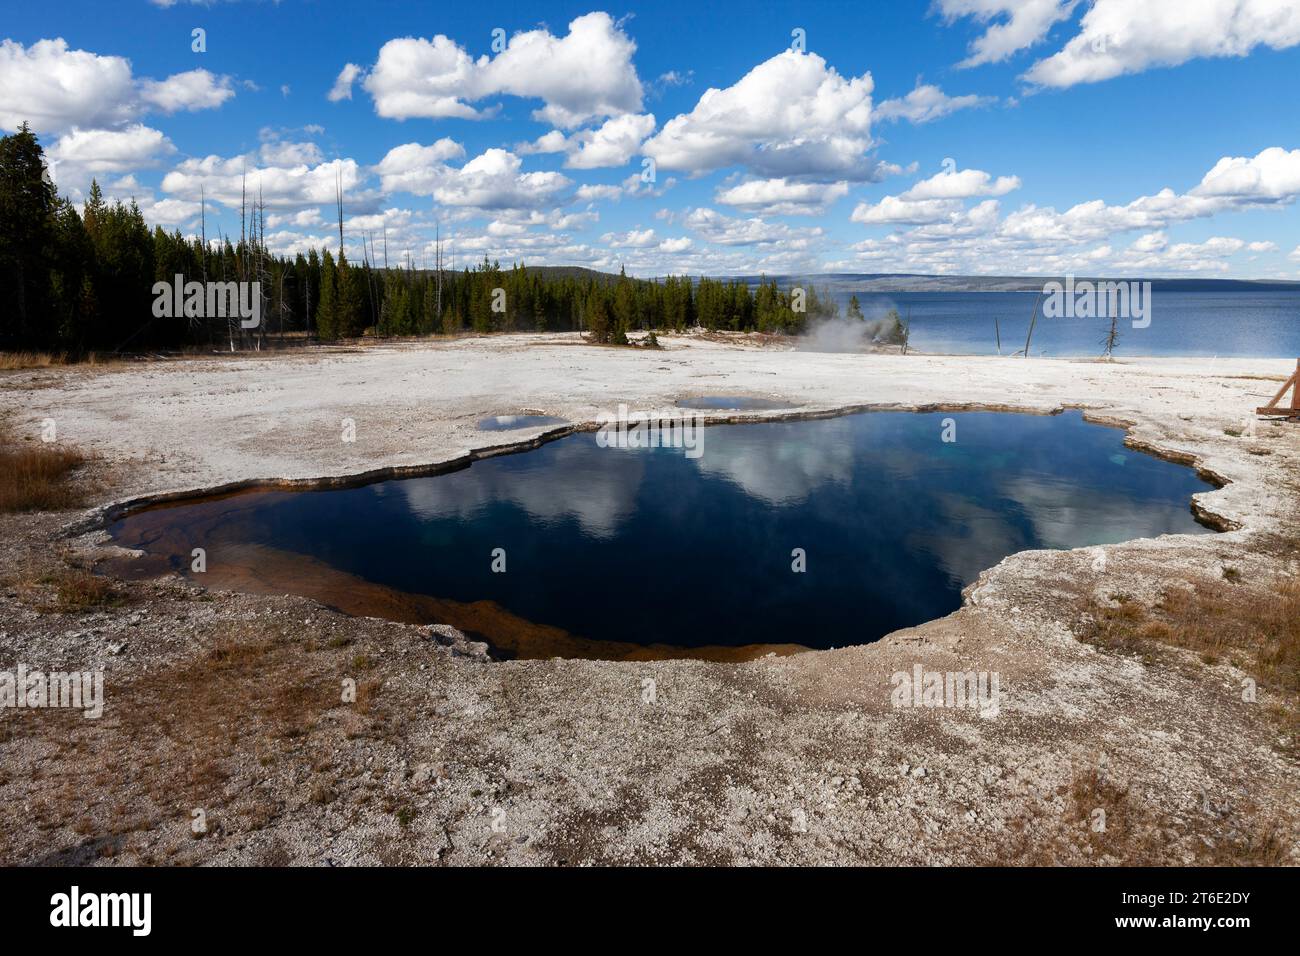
(981, 136)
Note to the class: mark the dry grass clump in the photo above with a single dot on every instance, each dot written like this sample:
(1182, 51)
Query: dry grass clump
(1121, 627)
(20, 360)
(248, 692)
(367, 696)
(228, 654)
(1102, 822)
(15, 361)
(321, 793)
(1254, 627)
(35, 476)
(1268, 843)
(71, 590)
(1111, 822)
(79, 590)
(1257, 629)
(190, 734)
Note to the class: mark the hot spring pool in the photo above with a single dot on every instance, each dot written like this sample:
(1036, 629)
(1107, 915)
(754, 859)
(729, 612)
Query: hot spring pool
(811, 532)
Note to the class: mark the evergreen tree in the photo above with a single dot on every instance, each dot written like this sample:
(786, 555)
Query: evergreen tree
(93, 210)
(855, 310)
(596, 316)
(351, 294)
(311, 286)
(124, 278)
(72, 278)
(892, 331)
(27, 209)
(624, 302)
(327, 310)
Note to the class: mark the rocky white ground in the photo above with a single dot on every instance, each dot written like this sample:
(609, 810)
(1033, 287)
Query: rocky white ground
(228, 704)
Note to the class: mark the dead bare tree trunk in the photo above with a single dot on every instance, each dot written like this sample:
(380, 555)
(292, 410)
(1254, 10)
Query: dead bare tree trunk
(1033, 320)
(262, 274)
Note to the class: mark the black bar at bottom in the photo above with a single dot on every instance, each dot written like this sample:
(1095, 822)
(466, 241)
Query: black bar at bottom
(334, 905)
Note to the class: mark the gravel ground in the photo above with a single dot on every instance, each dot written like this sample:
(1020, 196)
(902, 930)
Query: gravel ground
(226, 738)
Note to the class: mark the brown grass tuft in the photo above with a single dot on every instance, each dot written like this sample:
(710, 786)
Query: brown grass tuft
(1252, 626)
(228, 654)
(19, 360)
(1255, 627)
(16, 361)
(1260, 627)
(35, 476)
(1105, 823)
(367, 694)
(71, 590)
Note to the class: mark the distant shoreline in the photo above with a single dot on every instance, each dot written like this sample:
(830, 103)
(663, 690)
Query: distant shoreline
(906, 282)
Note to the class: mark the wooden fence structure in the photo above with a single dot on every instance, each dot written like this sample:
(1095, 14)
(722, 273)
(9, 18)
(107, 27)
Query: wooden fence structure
(1276, 408)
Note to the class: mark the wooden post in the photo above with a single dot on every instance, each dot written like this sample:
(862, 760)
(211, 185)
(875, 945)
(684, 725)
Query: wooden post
(1275, 407)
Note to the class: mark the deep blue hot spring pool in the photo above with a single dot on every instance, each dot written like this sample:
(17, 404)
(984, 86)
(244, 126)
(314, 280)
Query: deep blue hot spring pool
(813, 532)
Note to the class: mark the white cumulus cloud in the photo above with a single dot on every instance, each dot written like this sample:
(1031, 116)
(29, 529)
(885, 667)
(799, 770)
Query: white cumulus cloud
(1012, 25)
(342, 88)
(584, 75)
(612, 144)
(1271, 176)
(493, 180)
(417, 169)
(634, 238)
(193, 90)
(927, 103)
(55, 89)
(281, 187)
(792, 115)
(782, 197)
(962, 184)
(100, 151)
(713, 226)
(937, 199)
(1126, 36)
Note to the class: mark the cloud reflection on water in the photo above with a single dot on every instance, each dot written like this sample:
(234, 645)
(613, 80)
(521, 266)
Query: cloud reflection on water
(599, 490)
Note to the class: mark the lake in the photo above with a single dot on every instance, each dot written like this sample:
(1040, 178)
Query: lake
(887, 520)
(1240, 323)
